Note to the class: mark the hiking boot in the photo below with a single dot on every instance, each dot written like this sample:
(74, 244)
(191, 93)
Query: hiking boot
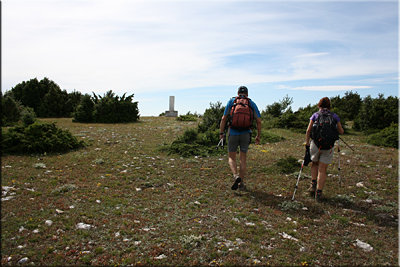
(236, 183)
(319, 197)
(242, 187)
(313, 188)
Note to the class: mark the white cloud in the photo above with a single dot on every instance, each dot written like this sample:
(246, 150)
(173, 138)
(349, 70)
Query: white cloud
(139, 46)
(326, 88)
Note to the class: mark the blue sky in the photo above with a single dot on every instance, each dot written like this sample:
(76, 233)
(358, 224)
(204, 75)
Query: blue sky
(202, 51)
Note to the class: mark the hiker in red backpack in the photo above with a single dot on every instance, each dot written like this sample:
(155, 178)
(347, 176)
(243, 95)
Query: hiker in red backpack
(241, 111)
(321, 147)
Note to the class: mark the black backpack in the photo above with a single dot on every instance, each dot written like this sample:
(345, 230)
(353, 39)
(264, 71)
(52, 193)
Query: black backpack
(324, 133)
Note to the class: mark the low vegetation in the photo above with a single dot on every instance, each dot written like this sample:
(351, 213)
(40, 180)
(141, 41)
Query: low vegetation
(121, 201)
(155, 190)
(38, 138)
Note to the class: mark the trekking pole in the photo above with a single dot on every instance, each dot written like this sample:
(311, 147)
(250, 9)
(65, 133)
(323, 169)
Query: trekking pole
(221, 142)
(338, 149)
(298, 179)
(345, 143)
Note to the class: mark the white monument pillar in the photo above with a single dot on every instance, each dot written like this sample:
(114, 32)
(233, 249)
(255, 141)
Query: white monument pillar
(171, 112)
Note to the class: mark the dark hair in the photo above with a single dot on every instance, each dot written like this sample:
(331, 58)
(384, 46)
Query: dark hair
(324, 103)
(243, 90)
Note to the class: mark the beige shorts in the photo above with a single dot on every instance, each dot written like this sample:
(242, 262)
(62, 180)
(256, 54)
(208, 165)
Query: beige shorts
(325, 156)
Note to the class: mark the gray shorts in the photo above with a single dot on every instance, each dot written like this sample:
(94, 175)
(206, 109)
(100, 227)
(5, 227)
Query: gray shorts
(325, 156)
(242, 140)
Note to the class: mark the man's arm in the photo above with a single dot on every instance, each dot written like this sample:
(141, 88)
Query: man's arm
(258, 139)
(222, 126)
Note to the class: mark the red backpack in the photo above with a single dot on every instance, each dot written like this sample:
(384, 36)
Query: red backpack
(242, 114)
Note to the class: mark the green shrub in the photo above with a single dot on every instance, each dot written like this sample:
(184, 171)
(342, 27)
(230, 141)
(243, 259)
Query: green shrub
(115, 109)
(267, 137)
(10, 110)
(200, 141)
(28, 116)
(290, 205)
(193, 143)
(343, 199)
(186, 118)
(269, 121)
(212, 117)
(377, 113)
(38, 138)
(106, 109)
(388, 137)
(84, 111)
(288, 165)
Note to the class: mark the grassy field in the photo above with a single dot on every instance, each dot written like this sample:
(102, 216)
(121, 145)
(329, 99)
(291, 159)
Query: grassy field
(122, 202)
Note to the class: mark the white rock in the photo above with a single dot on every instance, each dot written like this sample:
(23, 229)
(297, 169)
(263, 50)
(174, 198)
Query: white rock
(36, 231)
(360, 184)
(365, 246)
(48, 222)
(7, 198)
(83, 226)
(239, 241)
(23, 260)
(286, 236)
(162, 256)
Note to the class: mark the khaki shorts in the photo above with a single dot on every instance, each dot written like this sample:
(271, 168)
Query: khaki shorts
(325, 156)
(242, 140)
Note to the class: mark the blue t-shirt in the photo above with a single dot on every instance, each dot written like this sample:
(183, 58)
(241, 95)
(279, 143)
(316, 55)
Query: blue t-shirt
(228, 111)
(315, 116)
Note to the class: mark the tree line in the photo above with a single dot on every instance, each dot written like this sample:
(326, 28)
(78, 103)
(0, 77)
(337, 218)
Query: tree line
(45, 99)
(368, 115)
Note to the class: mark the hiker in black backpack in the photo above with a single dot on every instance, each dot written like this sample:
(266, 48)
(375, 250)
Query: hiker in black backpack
(324, 130)
(241, 112)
